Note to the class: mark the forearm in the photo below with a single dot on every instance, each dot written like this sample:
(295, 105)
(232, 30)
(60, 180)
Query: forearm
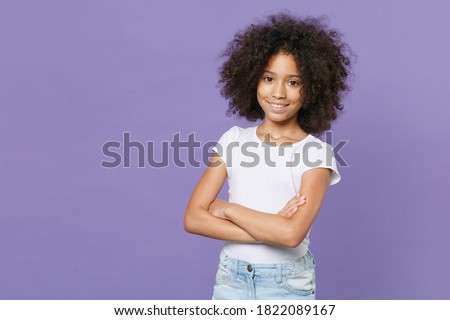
(201, 222)
(277, 229)
(265, 227)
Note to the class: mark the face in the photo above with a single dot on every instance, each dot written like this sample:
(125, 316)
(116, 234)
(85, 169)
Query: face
(279, 89)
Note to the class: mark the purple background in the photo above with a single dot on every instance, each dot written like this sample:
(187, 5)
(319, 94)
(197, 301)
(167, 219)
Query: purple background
(76, 74)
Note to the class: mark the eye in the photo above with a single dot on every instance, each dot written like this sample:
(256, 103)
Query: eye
(293, 83)
(268, 79)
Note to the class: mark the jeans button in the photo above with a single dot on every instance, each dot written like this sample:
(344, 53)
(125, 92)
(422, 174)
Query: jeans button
(249, 268)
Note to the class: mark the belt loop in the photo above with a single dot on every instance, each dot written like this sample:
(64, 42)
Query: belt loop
(279, 272)
(233, 265)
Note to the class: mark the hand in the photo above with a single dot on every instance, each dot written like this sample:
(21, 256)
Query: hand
(217, 208)
(292, 205)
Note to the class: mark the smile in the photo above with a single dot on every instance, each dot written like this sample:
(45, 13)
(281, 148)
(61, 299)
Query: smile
(277, 106)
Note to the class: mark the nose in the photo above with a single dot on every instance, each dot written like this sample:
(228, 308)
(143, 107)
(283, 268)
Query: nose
(279, 91)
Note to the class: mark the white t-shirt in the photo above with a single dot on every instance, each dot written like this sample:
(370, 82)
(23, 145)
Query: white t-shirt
(265, 178)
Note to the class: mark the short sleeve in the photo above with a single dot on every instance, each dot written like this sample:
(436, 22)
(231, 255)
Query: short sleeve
(318, 154)
(223, 144)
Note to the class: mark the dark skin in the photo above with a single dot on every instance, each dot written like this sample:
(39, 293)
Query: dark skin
(238, 223)
(322, 58)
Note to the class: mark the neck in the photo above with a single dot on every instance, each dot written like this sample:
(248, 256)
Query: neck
(280, 129)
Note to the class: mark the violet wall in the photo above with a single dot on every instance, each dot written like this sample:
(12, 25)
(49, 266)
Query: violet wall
(76, 74)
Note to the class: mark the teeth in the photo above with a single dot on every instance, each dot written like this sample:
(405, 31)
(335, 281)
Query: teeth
(277, 105)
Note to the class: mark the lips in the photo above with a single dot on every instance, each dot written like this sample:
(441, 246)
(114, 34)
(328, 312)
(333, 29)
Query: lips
(278, 107)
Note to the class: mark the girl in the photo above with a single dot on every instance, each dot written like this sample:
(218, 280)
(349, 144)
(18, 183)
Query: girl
(290, 73)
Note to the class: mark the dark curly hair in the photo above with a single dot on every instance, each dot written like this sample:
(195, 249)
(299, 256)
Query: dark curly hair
(321, 56)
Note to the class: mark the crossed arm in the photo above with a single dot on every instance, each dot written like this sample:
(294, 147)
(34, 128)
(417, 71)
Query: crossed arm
(230, 221)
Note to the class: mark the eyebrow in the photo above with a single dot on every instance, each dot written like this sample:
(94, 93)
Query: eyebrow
(289, 75)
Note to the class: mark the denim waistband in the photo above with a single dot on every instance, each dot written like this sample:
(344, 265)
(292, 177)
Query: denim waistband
(237, 267)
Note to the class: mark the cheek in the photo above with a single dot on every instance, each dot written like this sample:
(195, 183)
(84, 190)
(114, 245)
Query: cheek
(263, 88)
(261, 93)
(296, 96)
(260, 101)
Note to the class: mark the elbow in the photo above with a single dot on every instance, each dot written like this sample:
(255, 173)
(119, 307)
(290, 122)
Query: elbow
(292, 243)
(193, 220)
(189, 223)
(188, 226)
(293, 238)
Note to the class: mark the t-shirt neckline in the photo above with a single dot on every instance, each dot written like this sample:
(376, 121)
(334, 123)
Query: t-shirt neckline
(255, 136)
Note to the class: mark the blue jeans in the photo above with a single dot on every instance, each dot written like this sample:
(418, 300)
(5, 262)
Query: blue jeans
(240, 280)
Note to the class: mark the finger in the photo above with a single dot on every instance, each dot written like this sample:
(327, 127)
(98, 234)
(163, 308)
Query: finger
(291, 213)
(297, 203)
(286, 212)
(297, 197)
(291, 203)
(297, 200)
(294, 198)
(283, 213)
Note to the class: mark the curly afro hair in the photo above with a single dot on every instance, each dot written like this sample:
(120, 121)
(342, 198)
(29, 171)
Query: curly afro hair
(321, 56)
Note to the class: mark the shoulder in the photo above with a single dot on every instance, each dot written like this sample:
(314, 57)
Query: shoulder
(231, 138)
(312, 138)
(316, 147)
(319, 154)
(236, 133)
(240, 131)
